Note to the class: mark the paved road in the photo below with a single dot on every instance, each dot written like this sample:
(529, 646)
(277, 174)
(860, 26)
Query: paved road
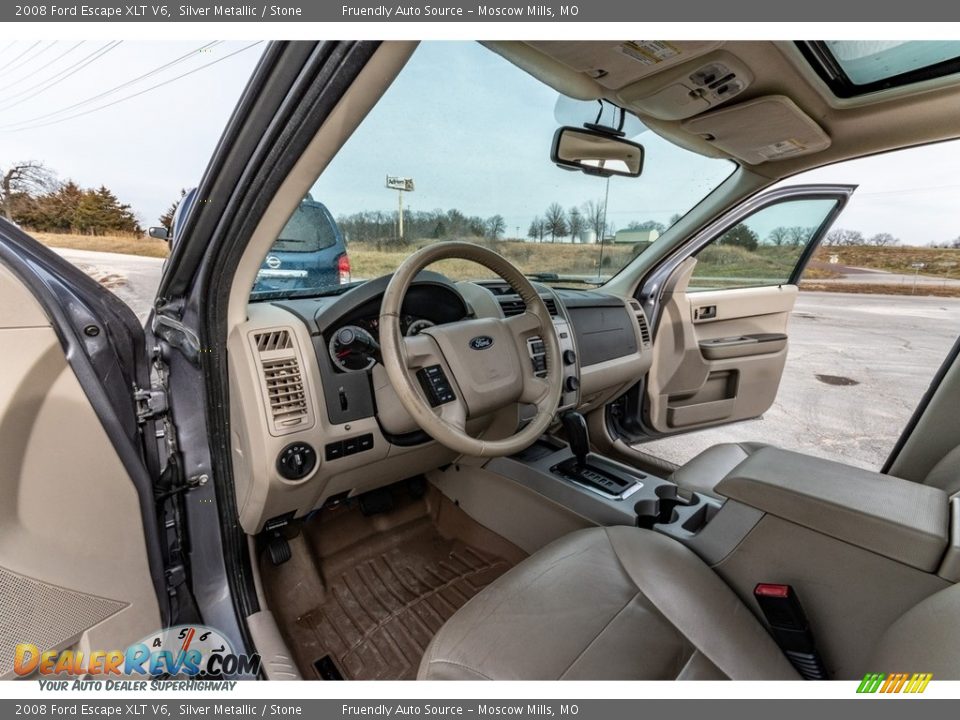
(889, 346)
(133, 278)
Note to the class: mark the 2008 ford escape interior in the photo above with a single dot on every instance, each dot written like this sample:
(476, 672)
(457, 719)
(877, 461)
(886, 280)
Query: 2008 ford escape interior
(432, 470)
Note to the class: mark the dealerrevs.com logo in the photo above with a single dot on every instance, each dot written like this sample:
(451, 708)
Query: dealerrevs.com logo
(184, 651)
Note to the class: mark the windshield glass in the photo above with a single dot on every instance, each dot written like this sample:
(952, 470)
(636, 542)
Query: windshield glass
(459, 149)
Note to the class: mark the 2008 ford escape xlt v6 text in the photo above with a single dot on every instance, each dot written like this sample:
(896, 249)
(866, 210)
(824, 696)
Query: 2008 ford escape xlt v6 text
(430, 469)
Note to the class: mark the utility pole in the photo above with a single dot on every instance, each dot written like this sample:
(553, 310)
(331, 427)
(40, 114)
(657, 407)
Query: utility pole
(603, 226)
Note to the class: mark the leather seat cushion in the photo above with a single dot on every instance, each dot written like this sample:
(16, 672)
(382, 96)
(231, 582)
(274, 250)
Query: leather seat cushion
(702, 473)
(606, 603)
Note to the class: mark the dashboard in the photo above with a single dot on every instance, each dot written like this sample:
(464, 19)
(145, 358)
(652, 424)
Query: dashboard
(314, 416)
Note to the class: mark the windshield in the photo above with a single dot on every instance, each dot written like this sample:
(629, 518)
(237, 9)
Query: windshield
(459, 149)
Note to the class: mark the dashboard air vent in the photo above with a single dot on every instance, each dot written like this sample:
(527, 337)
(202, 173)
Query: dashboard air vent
(516, 306)
(274, 340)
(642, 323)
(287, 405)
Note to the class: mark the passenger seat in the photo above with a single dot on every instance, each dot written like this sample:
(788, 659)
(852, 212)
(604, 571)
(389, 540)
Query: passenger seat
(702, 473)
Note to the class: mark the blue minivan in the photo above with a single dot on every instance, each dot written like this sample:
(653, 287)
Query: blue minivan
(309, 254)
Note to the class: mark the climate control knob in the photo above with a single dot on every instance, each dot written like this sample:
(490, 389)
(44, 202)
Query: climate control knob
(571, 384)
(569, 357)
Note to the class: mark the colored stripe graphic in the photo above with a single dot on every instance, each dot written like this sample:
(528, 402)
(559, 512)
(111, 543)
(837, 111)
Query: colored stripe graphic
(913, 683)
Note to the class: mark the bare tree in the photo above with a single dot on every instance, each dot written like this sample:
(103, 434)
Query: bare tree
(778, 236)
(555, 221)
(535, 231)
(883, 240)
(843, 237)
(496, 226)
(594, 216)
(26, 177)
(799, 235)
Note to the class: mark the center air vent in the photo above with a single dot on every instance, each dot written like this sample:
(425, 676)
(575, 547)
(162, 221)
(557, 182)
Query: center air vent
(287, 401)
(515, 306)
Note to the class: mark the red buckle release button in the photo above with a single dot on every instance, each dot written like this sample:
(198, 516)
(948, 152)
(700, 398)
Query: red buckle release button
(772, 590)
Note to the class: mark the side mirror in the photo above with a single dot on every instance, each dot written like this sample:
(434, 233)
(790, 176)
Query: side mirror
(160, 233)
(596, 153)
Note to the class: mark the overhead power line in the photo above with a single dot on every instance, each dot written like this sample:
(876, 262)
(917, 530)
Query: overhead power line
(33, 73)
(111, 91)
(58, 78)
(141, 92)
(30, 58)
(11, 62)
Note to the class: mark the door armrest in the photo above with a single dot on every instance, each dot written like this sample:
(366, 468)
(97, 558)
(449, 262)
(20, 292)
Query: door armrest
(742, 345)
(896, 518)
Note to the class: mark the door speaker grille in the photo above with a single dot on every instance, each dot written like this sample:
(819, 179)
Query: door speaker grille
(48, 616)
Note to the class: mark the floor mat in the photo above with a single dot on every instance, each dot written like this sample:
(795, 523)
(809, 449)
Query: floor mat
(366, 595)
(380, 615)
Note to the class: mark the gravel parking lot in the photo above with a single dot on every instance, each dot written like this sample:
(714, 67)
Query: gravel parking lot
(857, 367)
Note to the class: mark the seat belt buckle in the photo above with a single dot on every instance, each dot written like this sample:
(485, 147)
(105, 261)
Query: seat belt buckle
(788, 624)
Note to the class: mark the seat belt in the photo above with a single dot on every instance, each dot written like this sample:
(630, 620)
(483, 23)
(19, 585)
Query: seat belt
(788, 624)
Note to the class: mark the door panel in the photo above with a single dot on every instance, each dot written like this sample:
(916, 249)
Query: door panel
(721, 340)
(718, 355)
(73, 561)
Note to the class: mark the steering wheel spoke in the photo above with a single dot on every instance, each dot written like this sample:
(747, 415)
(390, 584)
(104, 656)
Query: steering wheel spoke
(524, 325)
(419, 351)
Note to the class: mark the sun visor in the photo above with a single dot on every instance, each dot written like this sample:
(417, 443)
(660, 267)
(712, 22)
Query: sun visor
(763, 130)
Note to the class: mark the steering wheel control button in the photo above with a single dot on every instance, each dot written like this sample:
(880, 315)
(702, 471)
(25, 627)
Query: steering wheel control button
(296, 461)
(538, 356)
(569, 357)
(435, 385)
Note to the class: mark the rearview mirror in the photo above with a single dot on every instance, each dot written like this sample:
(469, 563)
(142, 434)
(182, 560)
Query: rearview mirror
(160, 233)
(596, 153)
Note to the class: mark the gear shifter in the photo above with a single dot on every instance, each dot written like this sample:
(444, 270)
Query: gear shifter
(597, 477)
(575, 427)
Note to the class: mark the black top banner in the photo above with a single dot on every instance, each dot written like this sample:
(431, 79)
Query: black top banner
(699, 11)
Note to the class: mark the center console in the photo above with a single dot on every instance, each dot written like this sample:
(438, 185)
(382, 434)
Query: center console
(606, 492)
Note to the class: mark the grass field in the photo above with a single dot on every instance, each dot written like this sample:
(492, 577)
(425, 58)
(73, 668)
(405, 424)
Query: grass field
(123, 244)
(728, 263)
(942, 262)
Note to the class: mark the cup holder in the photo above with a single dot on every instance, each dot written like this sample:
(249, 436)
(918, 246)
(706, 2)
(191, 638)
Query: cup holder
(662, 509)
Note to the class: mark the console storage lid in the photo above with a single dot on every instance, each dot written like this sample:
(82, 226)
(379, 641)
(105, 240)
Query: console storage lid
(902, 520)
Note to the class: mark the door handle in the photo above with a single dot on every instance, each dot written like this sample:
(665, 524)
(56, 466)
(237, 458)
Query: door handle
(705, 312)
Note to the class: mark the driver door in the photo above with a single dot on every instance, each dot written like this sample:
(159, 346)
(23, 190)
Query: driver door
(79, 557)
(722, 324)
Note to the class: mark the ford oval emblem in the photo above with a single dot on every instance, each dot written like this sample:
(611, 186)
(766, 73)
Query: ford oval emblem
(481, 342)
(273, 262)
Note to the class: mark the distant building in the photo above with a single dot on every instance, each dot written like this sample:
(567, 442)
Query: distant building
(635, 236)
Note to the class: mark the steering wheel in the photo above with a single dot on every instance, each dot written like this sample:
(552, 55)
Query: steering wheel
(450, 373)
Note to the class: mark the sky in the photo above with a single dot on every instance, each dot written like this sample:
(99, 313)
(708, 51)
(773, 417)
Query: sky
(471, 130)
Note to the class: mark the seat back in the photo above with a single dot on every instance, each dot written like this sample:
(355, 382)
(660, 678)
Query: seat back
(926, 639)
(946, 473)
